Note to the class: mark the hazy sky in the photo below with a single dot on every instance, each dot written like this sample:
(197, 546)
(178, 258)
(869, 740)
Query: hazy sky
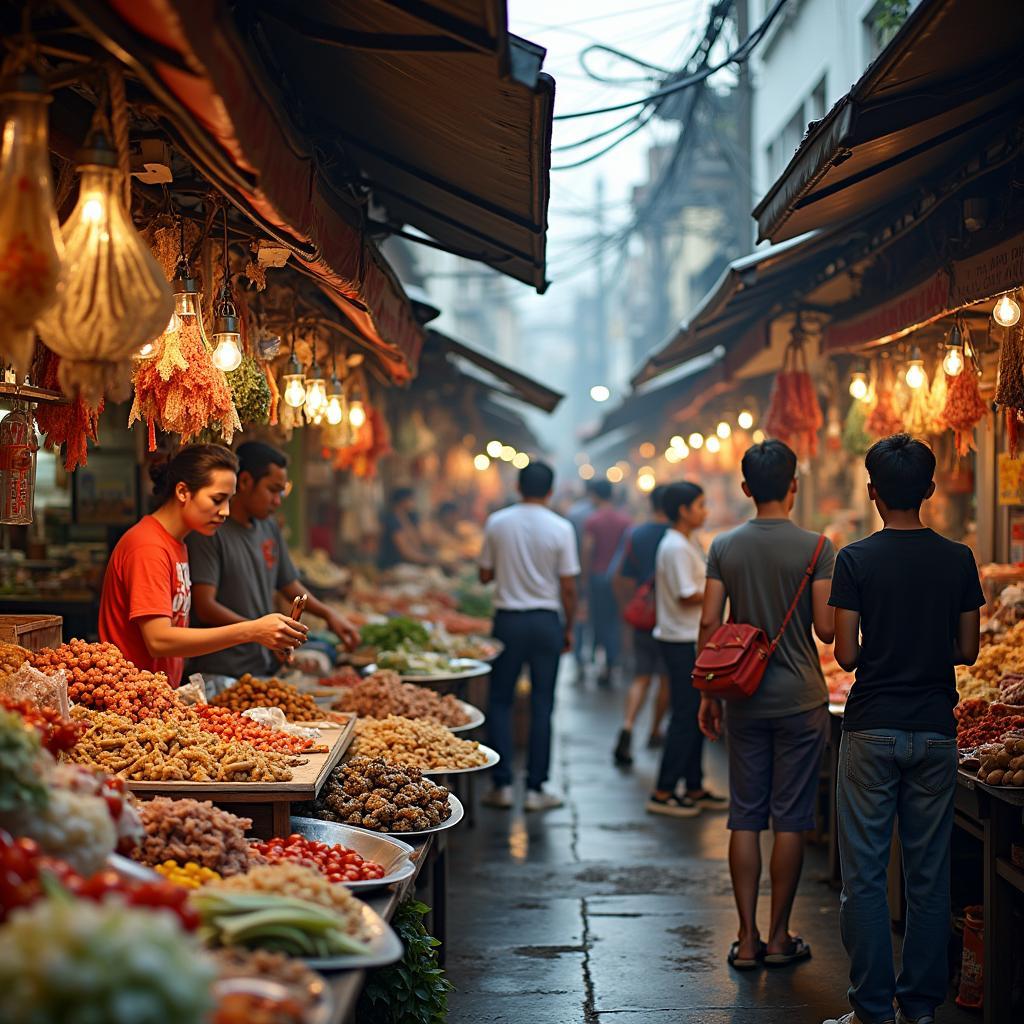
(660, 32)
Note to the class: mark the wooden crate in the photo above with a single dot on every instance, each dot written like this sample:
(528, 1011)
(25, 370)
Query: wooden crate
(32, 632)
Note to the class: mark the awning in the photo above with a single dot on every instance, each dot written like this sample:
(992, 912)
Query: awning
(508, 424)
(943, 87)
(524, 388)
(432, 104)
(748, 291)
(220, 106)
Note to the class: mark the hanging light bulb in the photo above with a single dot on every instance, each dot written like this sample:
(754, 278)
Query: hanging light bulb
(695, 440)
(494, 450)
(953, 362)
(337, 403)
(859, 385)
(115, 296)
(713, 445)
(915, 376)
(316, 391)
(294, 383)
(31, 247)
(723, 430)
(227, 341)
(1006, 312)
(745, 420)
(356, 409)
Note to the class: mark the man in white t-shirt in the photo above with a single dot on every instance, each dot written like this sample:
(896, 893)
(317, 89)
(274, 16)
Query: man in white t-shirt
(530, 554)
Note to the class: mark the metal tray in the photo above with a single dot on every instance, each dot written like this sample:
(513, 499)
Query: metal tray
(385, 947)
(391, 854)
(132, 870)
(321, 1012)
(458, 813)
(476, 718)
(493, 757)
(466, 668)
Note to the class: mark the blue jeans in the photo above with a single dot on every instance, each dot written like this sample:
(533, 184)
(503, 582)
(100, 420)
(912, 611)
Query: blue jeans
(887, 774)
(534, 638)
(605, 623)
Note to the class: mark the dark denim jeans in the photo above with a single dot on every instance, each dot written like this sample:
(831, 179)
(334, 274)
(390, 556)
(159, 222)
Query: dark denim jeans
(605, 623)
(533, 638)
(684, 742)
(887, 774)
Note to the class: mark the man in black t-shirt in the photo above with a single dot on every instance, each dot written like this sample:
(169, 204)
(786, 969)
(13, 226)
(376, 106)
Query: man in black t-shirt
(907, 605)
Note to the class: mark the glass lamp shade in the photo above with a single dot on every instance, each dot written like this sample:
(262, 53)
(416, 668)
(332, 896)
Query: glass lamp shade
(356, 413)
(953, 363)
(316, 393)
(115, 296)
(1007, 311)
(227, 351)
(31, 246)
(294, 389)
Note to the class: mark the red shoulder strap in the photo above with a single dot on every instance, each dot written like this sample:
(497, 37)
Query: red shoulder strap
(808, 574)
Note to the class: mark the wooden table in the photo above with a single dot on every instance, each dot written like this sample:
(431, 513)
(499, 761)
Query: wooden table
(268, 804)
(431, 857)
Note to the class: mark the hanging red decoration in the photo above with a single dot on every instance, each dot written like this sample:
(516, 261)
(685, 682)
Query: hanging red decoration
(794, 413)
(965, 409)
(884, 419)
(69, 427)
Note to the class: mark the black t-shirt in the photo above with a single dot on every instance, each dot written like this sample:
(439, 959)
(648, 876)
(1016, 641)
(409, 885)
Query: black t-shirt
(910, 588)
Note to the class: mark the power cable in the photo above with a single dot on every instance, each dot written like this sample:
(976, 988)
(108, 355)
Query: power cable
(607, 149)
(738, 56)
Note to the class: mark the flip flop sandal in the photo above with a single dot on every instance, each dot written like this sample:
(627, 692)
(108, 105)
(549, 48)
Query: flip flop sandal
(744, 963)
(801, 951)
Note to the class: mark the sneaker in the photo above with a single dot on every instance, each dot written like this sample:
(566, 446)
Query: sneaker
(500, 797)
(851, 1018)
(538, 800)
(711, 801)
(622, 754)
(673, 806)
(902, 1018)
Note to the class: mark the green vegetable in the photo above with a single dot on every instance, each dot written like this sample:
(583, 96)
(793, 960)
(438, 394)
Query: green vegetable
(415, 990)
(65, 961)
(269, 921)
(399, 633)
(22, 763)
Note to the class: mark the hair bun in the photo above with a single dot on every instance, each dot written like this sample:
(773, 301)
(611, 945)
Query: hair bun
(159, 468)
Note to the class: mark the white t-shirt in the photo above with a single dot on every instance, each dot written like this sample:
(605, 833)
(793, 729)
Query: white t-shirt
(681, 572)
(529, 548)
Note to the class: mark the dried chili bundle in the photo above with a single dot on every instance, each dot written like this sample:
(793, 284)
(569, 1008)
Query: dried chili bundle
(181, 391)
(67, 427)
(1010, 386)
(884, 418)
(965, 409)
(794, 413)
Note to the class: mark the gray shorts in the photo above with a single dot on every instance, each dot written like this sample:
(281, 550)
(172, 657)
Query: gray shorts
(774, 768)
(647, 658)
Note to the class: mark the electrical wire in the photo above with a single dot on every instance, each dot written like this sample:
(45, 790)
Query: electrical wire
(603, 48)
(738, 56)
(607, 149)
(597, 135)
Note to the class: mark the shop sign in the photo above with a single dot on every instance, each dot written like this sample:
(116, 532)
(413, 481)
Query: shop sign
(1017, 537)
(1011, 480)
(919, 305)
(996, 270)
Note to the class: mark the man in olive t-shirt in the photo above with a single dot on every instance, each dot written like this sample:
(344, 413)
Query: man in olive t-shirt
(236, 572)
(777, 736)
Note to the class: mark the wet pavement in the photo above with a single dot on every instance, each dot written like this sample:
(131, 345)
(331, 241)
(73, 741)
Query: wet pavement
(599, 913)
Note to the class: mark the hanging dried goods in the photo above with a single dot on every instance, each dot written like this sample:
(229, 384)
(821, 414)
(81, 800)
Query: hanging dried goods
(918, 418)
(937, 403)
(794, 413)
(856, 439)
(68, 427)
(965, 409)
(18, 447)
(884, 419)
(250, 392)
(1010, 385)
(115, 297)
(31, 247)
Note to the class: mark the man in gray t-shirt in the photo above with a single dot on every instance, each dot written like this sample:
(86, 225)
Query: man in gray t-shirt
(777, 736)
(237, 571)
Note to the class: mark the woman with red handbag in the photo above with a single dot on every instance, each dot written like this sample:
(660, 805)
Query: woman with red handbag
(679, 594)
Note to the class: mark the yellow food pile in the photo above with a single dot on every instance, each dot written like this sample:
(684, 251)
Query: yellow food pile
(189, 875)
(994, 661)
(420, 743)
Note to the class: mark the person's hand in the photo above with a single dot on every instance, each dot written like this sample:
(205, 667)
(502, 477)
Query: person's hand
(567, 640)
(344, 630)
(709, 718)
(278, 632)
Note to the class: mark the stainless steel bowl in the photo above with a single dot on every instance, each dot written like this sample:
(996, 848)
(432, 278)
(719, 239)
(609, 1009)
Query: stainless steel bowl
(391, 854)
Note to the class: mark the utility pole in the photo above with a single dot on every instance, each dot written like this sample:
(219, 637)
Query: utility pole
(601, 361)
(744, 127)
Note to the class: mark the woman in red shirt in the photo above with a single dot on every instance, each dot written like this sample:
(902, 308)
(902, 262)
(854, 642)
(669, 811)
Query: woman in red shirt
(147, 593)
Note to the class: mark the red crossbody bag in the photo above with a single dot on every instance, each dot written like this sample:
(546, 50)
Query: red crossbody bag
(733, 661)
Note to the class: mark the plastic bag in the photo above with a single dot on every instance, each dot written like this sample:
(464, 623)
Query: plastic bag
(273, 718)
(38, 688)
(192, 692)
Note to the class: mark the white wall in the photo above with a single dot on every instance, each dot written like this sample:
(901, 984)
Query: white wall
(811, 57)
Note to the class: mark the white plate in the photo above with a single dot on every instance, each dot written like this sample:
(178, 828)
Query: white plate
(465, 668)
(493, 757)
(391, 854)
(476, 718)
(385, 948)
(458, 813)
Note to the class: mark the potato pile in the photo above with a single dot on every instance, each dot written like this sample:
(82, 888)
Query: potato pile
(1002, 764)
